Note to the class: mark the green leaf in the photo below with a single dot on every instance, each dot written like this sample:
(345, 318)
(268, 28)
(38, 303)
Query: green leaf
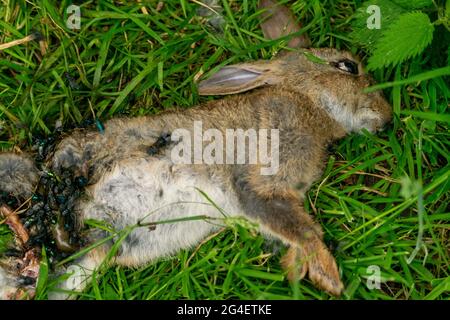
(443, 286)
(131, 86)
(5, 237)
(43, 275)
(406, 38)
(313, 58)
(431, 116)
(106, 40)
(448, 53)
(260, 274)
(413, 4)
(435, 73)
(361, 34)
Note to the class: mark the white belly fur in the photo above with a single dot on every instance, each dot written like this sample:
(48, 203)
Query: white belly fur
(150, 190)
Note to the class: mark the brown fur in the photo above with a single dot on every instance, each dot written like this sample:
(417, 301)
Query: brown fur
(312, 104)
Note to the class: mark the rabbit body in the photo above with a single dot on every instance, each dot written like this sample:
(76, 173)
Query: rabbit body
(311, 104)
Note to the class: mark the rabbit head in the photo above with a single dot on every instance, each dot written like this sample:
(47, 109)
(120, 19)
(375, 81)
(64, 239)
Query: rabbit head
(334, 80)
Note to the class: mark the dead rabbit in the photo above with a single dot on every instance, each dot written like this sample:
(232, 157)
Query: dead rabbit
(311, 102)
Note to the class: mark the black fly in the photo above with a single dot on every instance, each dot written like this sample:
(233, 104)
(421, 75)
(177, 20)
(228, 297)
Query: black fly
(71, 81)
(162, 141)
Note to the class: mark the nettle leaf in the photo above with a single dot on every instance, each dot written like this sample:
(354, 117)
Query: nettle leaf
(408, 36)
(361, 34)
(413, 4)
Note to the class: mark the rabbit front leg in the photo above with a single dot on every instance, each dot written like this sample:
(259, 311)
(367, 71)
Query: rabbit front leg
(18, 174)
(74, 152)
(79, 275)
(18, 177)
(8, 285)
(282, 215)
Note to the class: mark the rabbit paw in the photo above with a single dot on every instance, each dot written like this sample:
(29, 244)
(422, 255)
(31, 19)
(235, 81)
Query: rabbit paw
(18, 175)
(69, 289)
(7, 286)
(77, 277)
(315, 259)
(18, 284)
(68, 155)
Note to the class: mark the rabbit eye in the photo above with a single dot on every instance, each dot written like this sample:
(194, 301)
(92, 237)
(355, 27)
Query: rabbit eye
(347, 66)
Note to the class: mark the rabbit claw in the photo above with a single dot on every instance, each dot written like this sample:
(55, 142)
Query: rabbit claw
(292, 263)
(315, 259)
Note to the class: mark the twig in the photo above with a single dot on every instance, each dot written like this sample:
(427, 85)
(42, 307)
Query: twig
(28, 38)
(206, 6)
(143, 8)
(159, 6)
(186, 264)
(13, 221)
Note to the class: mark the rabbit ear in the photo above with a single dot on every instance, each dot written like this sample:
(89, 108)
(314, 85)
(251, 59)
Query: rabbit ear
(237, 78)
(278, 21)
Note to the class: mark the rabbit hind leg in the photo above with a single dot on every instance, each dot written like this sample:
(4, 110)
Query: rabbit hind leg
(307, 252)
(69, 153)
(281, 215)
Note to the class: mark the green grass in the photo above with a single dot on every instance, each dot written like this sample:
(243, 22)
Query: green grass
(129, 63)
